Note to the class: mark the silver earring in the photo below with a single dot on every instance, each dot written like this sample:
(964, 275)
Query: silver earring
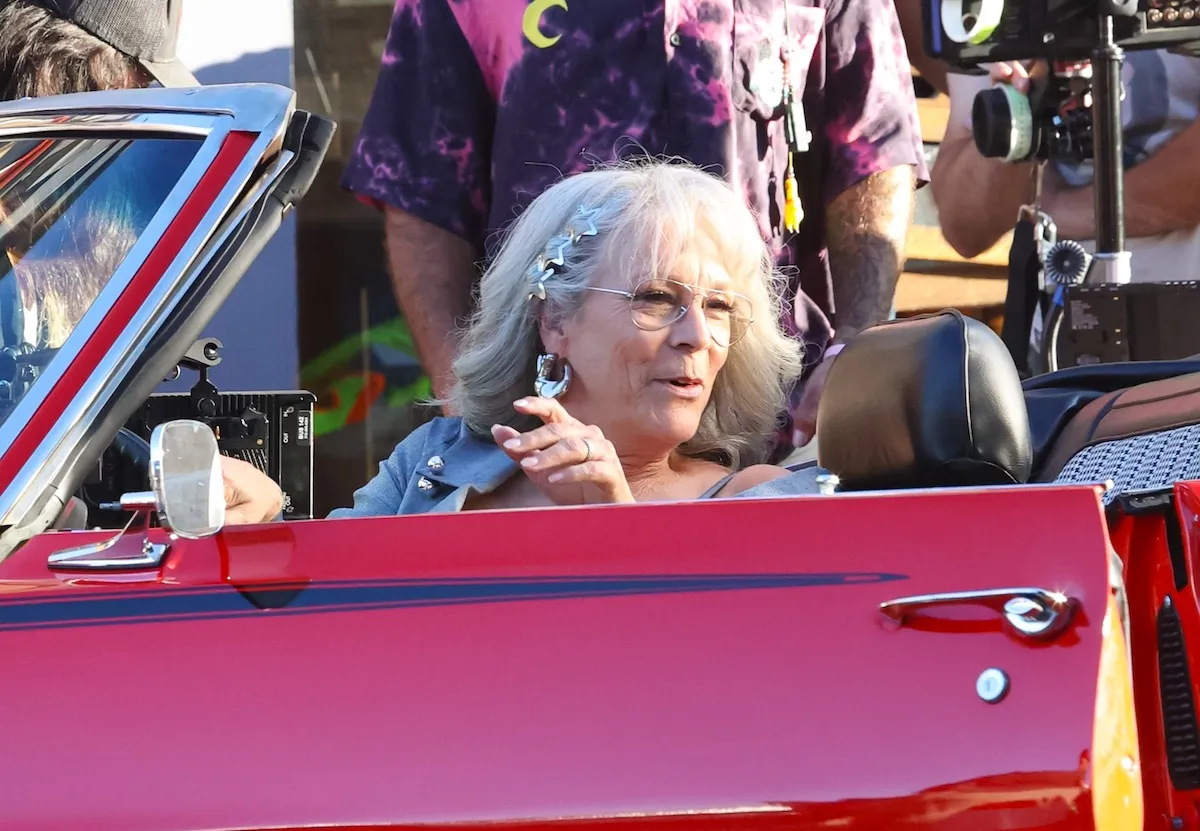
(544, 385)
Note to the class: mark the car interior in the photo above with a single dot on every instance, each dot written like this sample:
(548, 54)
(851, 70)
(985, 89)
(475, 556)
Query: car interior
(936, 401)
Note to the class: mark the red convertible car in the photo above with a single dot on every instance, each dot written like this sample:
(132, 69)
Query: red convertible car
(989, 622)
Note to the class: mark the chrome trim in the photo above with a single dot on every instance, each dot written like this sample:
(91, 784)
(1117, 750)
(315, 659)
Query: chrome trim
(249, 105)
(54, 452)
(1029, 612)
(84, 557)
(169, 124)
(133, 501)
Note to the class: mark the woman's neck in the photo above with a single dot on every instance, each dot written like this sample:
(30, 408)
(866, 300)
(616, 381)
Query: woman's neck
(652, 477)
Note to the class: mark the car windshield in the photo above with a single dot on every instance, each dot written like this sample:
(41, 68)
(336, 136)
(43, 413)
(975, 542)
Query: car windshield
(70, 211)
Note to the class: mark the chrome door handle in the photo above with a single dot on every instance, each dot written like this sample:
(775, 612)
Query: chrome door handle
(1030, 612)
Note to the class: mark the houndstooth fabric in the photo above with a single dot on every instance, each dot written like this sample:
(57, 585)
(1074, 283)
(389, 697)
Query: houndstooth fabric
(1150, 462)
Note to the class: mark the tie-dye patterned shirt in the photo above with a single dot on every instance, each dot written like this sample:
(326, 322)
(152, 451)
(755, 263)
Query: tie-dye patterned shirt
(482, 104)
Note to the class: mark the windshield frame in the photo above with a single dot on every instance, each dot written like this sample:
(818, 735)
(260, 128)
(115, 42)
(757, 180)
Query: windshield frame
(36, 439)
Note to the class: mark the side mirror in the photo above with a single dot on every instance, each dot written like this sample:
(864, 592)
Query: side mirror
(185, 477)
(187, 491)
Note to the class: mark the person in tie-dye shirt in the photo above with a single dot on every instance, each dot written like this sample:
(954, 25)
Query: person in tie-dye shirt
(482, 104)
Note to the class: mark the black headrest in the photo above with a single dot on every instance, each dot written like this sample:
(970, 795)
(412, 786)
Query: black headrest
(929, 401)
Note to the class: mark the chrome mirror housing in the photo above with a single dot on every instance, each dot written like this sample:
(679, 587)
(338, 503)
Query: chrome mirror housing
(185, 477)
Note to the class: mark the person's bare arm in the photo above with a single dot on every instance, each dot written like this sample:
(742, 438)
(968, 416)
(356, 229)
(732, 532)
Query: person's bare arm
(867, 227)
(433, 273)
(867, 231)
(932, 70)
(977, 198)
(1162, 194)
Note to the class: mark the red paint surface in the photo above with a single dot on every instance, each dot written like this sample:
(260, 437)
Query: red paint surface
(792, 707)
(230, 155)
(1142, 543)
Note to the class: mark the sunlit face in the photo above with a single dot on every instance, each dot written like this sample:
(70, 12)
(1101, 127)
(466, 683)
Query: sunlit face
(646, 390)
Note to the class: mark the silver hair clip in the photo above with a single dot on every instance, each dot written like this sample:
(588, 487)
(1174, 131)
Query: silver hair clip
(553, 259)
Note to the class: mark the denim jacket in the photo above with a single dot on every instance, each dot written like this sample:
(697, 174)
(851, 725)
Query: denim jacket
(441, 463)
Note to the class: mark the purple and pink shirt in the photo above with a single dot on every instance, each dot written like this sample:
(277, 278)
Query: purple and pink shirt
(480, 105)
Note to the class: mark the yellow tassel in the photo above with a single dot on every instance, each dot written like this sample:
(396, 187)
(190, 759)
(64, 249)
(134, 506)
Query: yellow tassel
(793, 212)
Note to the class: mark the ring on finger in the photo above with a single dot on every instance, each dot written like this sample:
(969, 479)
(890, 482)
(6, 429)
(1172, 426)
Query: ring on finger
(588, 446)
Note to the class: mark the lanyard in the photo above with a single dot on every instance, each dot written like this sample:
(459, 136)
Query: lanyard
(795, 131)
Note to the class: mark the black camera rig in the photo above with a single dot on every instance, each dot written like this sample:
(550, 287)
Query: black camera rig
(1073, 112)
(967, 33)
(271, 430)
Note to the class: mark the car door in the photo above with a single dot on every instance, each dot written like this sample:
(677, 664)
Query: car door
(938, 659)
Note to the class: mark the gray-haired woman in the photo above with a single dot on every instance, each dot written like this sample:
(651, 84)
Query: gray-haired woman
(625, 348)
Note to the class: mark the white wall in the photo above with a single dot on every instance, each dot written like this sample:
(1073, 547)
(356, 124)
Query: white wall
(233, 41)
(221, 31)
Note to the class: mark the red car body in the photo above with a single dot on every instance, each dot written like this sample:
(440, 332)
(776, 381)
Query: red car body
(715, 665)
(732, 672)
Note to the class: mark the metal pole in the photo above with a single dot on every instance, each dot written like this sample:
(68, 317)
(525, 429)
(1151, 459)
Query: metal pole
(1112, 260)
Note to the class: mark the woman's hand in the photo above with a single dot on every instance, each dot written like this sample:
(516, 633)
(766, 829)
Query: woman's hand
(569, 461)
(251, 496)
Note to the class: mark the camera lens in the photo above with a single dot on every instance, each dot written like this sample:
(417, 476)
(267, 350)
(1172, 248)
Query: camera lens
(1002, 124)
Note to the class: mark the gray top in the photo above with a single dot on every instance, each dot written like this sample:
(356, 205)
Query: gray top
(441, 463)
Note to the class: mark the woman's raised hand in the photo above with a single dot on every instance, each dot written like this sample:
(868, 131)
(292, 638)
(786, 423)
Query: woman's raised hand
(571, 462)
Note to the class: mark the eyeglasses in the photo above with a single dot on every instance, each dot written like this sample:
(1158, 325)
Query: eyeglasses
(656, 304)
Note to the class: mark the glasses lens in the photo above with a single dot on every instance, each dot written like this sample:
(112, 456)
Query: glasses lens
(659, 303)
(728, 315)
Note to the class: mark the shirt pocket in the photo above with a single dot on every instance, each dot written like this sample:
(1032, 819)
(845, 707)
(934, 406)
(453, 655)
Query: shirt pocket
(760, 43)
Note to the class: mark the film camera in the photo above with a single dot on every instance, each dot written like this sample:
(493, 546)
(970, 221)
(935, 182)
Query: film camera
(1055, 120)
(1072, 113)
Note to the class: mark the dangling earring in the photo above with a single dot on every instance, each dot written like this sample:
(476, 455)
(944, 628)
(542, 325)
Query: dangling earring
(543, 385)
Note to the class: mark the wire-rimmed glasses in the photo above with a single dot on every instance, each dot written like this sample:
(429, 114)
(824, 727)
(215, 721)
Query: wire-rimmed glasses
(656, 304)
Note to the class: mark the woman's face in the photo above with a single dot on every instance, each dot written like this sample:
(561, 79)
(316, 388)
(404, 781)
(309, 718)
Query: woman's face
(645, 389)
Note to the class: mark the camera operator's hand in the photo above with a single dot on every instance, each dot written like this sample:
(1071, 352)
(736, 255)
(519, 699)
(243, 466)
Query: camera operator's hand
(1018, 74)
(251, 496)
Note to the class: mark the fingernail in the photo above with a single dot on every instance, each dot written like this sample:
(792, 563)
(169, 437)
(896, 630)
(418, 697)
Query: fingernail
(512, 444)
(528, 461)
(521, 402)
(556, 477)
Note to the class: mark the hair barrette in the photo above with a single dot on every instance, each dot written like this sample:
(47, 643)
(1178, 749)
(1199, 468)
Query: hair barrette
(553, 259)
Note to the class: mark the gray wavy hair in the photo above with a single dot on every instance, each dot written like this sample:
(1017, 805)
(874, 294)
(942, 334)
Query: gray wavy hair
(646, 214)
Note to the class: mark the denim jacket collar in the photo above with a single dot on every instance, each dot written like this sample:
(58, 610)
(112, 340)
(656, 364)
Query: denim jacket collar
(471, 460)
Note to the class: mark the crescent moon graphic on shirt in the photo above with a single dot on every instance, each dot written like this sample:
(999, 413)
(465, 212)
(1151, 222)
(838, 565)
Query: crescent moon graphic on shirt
(532, 19)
